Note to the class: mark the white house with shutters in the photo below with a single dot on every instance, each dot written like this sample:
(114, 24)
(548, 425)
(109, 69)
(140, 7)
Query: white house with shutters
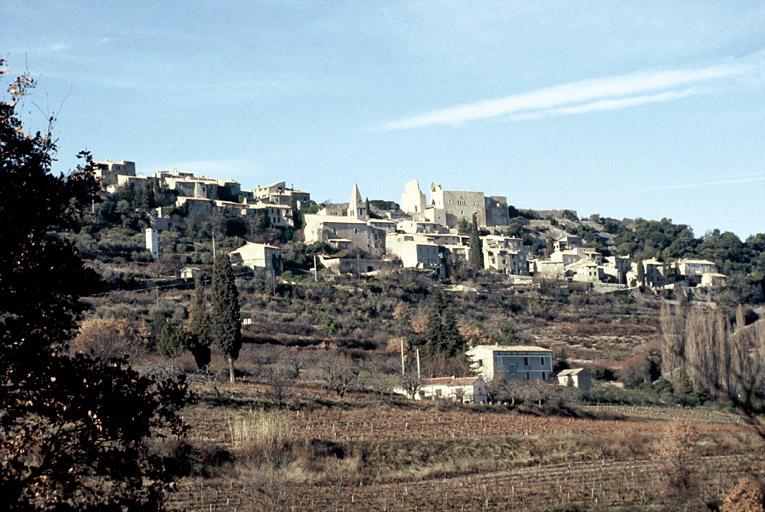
(511, 362)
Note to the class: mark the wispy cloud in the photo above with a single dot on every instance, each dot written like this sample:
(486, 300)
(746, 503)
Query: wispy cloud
(608, 93)
(712, 183)
(594, 106)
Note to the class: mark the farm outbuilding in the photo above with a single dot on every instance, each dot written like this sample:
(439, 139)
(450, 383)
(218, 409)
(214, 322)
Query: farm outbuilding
(575, 377)
(468, 390)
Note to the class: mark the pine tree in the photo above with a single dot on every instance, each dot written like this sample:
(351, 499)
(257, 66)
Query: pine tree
(226, 322)
(640, 273)
(476, 253)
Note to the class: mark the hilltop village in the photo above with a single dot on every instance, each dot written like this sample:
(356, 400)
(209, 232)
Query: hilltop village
(449, 231)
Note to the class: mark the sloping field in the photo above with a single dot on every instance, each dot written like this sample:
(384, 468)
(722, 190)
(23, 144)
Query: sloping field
(404, 456)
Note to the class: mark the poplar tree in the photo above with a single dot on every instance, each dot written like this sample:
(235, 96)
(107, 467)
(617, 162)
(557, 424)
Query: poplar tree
(226, 322)
(476, 253)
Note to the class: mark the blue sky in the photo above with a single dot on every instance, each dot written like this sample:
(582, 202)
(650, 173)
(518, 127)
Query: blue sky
(639, 109)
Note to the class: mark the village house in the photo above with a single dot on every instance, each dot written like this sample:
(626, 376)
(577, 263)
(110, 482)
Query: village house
(278, 215)
(351, 226)
(654, 272)
(188, 185)
(125, 180)
(420, 226)
(511, 362)
(567, 242)
(254, 255)
(713, 280)
(576, 378)
(617, 267)
(195, 205)
(547, 268)
(692, 267)
(387, 225)
(700, 273)
(447, 239)
(468, 390)
(106, 171)
(279, 193)
(504, 254)
(334, 210)
(358, 266)
(414, 251)
(323, 228)
(584, 270)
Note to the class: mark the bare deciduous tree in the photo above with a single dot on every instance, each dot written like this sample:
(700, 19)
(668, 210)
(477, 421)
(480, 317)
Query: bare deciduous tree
(340, 377)
(411, 383)
(108, 337)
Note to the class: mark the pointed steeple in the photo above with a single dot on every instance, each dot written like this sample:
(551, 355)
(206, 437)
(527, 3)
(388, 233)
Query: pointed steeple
(357, 207)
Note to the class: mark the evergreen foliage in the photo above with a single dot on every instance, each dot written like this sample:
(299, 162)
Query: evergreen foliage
(225, 319)
(442, 337)
(76, 431)
(199, 327)
(476, 252)
(641, 273)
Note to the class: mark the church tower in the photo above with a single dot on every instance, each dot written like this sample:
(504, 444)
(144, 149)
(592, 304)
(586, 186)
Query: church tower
(357, 208)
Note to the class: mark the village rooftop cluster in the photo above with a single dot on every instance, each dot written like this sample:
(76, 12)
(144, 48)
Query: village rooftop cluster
(425, 235)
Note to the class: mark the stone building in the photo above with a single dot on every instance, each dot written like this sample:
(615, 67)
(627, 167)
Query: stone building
(458, 205)
(504, 254)
(414, 251)
(468, 390)
(323, 228)
(253, 255)
(107, 171)
(579, 378)
(450, 207)
(511, 362)
(413, 200)
(279, 193)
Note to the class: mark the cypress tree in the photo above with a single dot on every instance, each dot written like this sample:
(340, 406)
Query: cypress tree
(226, 322)
(641, 273)
(434, 332)
(199, 327)
(476, 253)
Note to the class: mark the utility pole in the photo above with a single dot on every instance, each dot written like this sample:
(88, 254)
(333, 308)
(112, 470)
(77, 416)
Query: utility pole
(315, 269)
(213, 245)
(418, 364)
(403, 368)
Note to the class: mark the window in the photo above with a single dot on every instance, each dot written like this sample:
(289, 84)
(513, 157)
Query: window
(525, 361)
(542, 361)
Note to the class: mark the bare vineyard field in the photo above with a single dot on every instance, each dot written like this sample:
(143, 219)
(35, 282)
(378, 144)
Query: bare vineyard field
(430, 458)
(633, 485)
